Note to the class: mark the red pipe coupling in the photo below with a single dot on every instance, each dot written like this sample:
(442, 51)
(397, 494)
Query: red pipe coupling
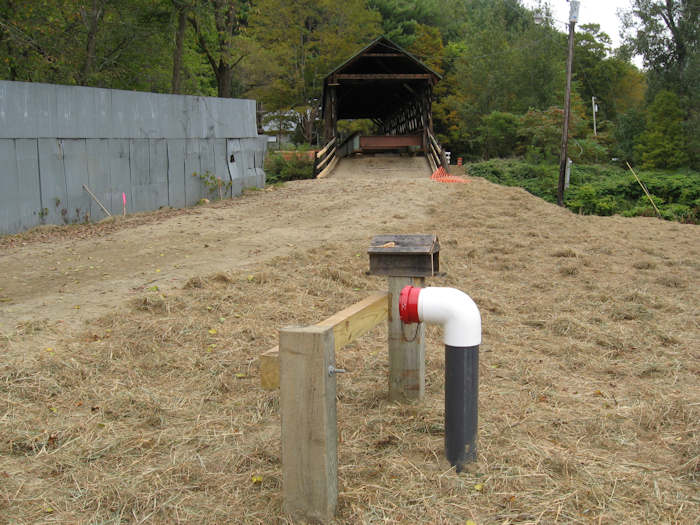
(408, 304)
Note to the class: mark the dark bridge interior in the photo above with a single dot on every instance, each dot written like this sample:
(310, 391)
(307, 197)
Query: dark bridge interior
(383, 83)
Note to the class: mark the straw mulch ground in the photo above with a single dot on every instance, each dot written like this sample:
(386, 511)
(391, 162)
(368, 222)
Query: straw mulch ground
(589, 395)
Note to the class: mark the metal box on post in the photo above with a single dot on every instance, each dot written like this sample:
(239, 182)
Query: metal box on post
(416, 255)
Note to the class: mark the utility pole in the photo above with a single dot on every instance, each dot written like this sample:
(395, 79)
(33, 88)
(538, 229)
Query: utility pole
(573, 17)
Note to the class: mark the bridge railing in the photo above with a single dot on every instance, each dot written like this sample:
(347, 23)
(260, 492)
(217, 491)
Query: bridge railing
(326, 159)
(434, 153)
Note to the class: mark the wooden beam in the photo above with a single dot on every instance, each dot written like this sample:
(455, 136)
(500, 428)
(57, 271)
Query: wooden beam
(384, 76)
(351, 323)
(309, 423)
(382, 55)
(329, 156)
(347, 325)
(321, 152)
(328, 169)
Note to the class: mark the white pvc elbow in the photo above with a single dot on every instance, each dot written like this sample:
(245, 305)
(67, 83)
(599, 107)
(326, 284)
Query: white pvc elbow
(450, 307)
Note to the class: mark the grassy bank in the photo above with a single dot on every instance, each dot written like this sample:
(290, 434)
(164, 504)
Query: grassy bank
(602, 190)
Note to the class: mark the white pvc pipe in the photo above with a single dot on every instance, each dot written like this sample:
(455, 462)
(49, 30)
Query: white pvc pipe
(453, 309)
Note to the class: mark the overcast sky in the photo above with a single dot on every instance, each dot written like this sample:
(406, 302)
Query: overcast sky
(603, 12)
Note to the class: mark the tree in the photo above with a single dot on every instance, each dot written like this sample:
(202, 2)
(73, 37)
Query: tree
(220, 26)
(665, 33)
(402, 19)
(662, 145)
(86, 42)
(503, 62)
(499, 134)
(297, 54)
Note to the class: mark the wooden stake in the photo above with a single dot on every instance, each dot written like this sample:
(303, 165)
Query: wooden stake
(645, 190)
(97, 200)
(309, 426)
(406, 348)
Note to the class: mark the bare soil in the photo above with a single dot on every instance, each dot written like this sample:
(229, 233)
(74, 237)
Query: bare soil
(128, 385)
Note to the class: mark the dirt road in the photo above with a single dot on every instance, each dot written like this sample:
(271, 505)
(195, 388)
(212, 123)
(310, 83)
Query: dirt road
(70, 280)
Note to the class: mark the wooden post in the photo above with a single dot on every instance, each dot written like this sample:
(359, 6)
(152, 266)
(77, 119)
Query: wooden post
(309, 425)
(406, 347)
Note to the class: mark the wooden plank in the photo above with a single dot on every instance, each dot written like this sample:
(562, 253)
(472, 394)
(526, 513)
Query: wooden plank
(320, 153)
(347, 325)
(309, 424)
(406, 348)
(323, 162)
(404, 244)
(328, 169)
(384, 76)
(351, 323)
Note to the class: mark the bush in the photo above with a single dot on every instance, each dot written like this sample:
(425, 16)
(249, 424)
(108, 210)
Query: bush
(602, 190)
(279, 169)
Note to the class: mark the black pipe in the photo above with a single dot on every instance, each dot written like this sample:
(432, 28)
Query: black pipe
(461, 404)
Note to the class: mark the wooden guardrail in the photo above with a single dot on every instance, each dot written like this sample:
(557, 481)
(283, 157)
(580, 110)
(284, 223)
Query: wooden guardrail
(326, 159)
(347, 325)
(434, 153)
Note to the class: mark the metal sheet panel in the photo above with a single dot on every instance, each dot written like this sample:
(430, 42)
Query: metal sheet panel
(207, 167)
(15, 104)
(119, 175)
(103, 113)
(75, 113)
(75, 165)
(29, 193)
(53, 181)
(140, 175)
(9, 187)
(221, 164)
(158, 172)
(98, 151)
(176, 172)
(193, 186)
(30, 110)
(233, 153)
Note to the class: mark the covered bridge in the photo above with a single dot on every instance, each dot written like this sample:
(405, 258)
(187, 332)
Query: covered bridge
(392, 88)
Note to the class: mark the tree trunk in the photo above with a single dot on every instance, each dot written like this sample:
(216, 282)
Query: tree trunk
(224, 79)
(179, 46)
(92, 20)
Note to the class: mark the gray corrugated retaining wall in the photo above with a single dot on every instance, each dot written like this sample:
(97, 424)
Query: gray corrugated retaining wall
(55, 139)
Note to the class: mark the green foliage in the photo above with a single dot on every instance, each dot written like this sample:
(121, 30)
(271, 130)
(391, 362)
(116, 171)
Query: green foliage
(499, 134)
(401, 19)
(603, 190)
(297, 167)
(662, 145)
(305, 40)
(630, 125)
(214, 184)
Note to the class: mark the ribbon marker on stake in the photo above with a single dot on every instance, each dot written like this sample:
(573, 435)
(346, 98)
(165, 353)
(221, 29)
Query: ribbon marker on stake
(124, 204)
